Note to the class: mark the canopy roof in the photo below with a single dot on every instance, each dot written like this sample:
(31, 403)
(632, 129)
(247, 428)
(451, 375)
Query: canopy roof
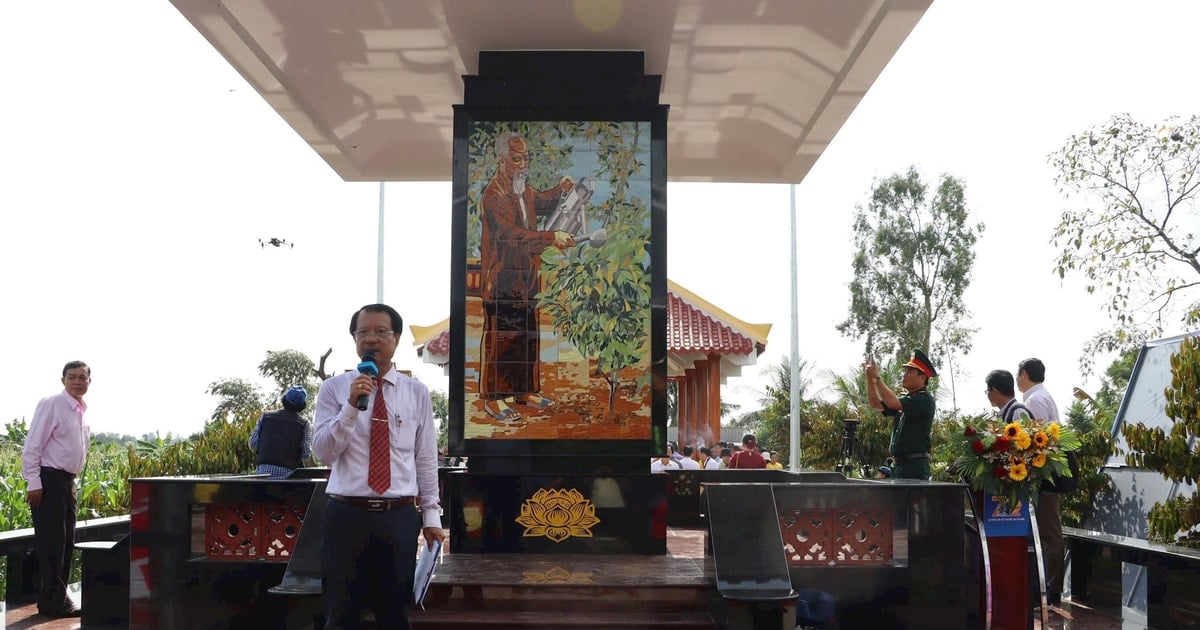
(757, 88)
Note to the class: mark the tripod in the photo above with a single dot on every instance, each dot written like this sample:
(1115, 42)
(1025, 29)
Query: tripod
(847, 463)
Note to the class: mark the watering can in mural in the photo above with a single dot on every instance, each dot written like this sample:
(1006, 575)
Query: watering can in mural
(571, 214)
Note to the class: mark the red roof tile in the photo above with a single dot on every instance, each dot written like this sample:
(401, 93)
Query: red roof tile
(439, 345)
(690, 330)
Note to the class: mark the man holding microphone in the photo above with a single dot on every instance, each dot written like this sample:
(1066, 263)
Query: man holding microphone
(375, 429)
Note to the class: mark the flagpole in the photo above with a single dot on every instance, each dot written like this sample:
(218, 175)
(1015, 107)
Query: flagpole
(379, 262)
(794, 393)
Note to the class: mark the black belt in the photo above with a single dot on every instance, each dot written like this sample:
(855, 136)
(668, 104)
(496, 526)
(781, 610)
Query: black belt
(912, 457)
(375, 504)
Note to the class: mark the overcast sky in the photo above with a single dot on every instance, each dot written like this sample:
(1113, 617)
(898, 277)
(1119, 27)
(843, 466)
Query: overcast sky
(140, 172)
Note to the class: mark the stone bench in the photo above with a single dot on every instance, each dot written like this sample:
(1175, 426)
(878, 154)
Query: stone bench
(105, 577)
(21, 571)
(1172, 573)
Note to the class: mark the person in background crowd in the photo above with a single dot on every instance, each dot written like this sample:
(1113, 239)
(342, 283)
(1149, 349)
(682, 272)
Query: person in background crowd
(663, 463)
(749, 456)
(673, 452)
(726, 456)
(771, 461)
(1002, 396)
(1031, 373)
(56, 447)
(282, 439)
(377, 434)
(707, 461)
(687, 462)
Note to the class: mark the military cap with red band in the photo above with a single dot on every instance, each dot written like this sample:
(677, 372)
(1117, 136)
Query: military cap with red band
(922, 363)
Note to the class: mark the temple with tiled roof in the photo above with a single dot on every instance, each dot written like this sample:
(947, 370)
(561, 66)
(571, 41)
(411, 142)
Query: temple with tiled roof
(705, 345)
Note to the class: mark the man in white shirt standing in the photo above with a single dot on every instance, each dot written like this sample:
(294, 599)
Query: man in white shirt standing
(659, 464)
(686, 462)
(377, 434)
(1030, 375)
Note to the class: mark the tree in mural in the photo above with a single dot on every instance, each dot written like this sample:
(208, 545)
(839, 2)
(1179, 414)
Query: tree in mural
(599, 296)
(1134, 235)
(1174, 454)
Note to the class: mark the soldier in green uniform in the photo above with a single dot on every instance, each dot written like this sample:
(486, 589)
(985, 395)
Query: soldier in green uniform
(911, 414)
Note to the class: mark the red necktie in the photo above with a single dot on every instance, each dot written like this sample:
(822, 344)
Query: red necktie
(379, 475)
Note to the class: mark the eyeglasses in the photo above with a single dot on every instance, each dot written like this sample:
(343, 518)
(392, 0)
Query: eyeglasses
(378, 333)
(987, 391)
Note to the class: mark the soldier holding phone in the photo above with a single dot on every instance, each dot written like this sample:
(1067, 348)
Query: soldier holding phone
(911, 414)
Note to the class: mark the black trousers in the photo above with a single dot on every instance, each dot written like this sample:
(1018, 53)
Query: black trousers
(54, 537)
(1053, 546)
(368, 559)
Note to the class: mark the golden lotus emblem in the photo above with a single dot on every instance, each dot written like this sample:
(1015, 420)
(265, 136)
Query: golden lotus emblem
(557, 514)
(557, 575)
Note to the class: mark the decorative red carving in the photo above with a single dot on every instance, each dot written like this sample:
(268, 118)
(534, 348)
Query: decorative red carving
(837, 536)
(281, 528)
(232, 531)
(252, 531)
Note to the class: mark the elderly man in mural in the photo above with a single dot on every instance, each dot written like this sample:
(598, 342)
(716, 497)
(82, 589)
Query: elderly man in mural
(510, 255)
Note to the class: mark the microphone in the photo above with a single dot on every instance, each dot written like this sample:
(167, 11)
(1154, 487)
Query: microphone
(369, 368)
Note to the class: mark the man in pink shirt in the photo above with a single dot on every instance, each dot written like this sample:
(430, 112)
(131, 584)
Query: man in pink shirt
(55, 450)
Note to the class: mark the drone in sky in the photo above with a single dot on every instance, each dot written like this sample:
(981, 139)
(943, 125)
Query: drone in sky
(275, 242)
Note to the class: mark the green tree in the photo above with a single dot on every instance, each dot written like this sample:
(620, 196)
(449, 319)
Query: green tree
(775, 421)
(288, 368)
(771, 424)
(441, 413)
(914, 249)
(1174, 454)
(1132, 230)
(1091, 417)
(823, 431)
(850, 387)
(14, 433)
(239, 397)
(236, 397)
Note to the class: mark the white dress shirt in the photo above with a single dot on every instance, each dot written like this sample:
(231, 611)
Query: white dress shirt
(342, 439)
(58, 438)
(687, 463)
(656, 465)
(1040, 403)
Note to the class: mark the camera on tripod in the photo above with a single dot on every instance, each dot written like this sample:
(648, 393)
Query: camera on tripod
(848, 464)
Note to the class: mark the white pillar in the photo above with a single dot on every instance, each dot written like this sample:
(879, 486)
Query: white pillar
(794, 394)
(379, 263)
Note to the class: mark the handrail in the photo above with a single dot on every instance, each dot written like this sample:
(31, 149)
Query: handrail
(90, 529)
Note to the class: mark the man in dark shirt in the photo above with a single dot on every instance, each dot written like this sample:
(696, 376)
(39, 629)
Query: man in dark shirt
(911, 414)
(282, 440)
